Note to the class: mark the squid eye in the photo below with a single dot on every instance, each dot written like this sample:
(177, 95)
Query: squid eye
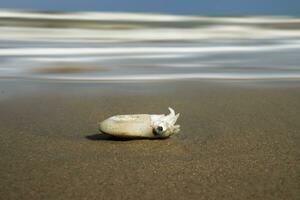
(158, 131)
(159, 128)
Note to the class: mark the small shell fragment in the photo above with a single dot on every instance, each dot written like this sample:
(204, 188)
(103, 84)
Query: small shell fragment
(141, 125)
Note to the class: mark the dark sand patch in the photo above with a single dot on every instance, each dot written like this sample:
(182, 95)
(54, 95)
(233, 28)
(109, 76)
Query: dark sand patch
(67, 68)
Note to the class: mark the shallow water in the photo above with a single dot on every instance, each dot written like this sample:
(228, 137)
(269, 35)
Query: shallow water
(123, 46)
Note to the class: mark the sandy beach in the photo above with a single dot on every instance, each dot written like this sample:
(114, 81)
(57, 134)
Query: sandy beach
(239, 140)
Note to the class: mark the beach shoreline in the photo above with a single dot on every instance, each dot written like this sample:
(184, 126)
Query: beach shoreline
(238, 141)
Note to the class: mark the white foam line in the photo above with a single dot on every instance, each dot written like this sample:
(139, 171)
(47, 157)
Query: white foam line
(93, 59)
(122, 16)
(138, 50)
(99, 16)
(254, 20)
(187, 65)
(145, 34)
(173, 77)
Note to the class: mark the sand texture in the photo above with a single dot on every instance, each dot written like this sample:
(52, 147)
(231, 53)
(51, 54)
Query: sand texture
(237, 141)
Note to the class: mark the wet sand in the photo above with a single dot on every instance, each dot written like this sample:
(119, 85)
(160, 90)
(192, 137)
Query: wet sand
(238, 141)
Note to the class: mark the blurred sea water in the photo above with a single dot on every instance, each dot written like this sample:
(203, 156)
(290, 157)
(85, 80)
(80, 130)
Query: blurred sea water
(86, 46)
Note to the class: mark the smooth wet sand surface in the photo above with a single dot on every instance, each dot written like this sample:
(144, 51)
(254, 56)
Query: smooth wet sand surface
(238, 141)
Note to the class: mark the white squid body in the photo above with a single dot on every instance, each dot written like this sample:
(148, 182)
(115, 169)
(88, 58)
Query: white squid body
(141, 125)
